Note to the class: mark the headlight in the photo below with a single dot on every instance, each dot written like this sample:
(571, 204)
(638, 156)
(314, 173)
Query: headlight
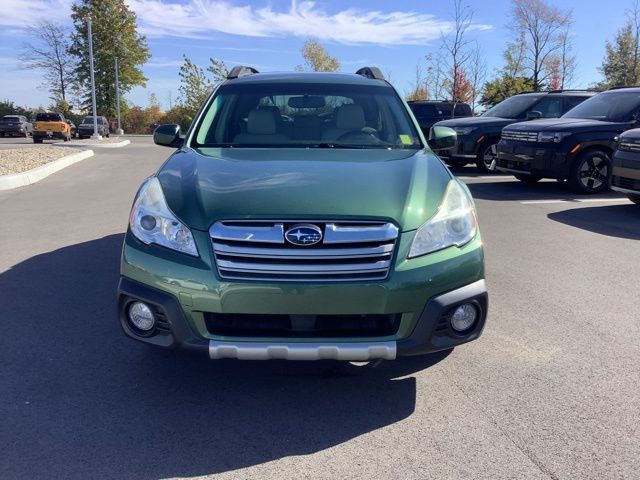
(455, 223)
(555, 137)
(464, 130)
(151, 221)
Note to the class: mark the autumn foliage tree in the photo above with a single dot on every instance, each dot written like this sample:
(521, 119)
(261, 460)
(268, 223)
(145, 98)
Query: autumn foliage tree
(317, 59)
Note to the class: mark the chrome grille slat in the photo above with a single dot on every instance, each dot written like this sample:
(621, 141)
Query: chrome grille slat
(518, 136)
(257, 250)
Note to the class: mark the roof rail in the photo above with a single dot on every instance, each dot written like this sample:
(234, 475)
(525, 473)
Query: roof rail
(562, 90)
(241, 71)
(624, 86)
(371, 72)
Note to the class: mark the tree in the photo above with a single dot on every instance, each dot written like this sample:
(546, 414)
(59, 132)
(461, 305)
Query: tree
(462, 92)
(543, 25)
(194, 88)
(418, 89)
(503, 87)
(477, 75)
(218, 70)
(457, 53)
(50, 54)
(618, 64)
(115, 35)
(317, 58)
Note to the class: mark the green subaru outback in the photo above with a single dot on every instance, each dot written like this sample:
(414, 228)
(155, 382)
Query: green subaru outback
(303, 217)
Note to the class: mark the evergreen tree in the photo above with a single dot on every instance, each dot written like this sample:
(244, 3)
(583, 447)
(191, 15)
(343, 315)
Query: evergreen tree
(194, 88)
(115, 35)
(620, 59)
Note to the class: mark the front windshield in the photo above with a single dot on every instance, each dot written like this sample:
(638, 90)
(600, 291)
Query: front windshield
(613, 106)
(306, 115)
(513, 107)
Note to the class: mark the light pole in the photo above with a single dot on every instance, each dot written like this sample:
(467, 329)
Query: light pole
(119, 130)
(95, 135)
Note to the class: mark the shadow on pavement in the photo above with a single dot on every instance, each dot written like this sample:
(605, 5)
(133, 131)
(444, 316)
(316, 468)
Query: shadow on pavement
(621, 221)
(79, 400)
(518, 191)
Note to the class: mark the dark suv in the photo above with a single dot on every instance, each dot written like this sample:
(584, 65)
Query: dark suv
(626, 165)
(478, 136)
(576, 147)
(428, 112)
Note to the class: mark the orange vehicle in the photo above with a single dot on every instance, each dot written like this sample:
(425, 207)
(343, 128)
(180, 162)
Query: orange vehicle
(51, 125)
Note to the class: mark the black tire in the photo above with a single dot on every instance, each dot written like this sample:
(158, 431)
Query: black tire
(634, 198)
(590, 172)
(2, 135)
(528, 179)
(488, 157)
(456, 163)
(37, 140)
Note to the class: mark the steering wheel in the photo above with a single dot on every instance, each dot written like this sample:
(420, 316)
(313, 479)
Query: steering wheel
(358, 136)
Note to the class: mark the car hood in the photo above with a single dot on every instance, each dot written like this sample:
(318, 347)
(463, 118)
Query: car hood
(565, 124)
(476, 122)
(403, 186)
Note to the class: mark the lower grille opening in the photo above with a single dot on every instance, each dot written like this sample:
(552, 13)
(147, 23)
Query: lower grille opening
(301, 326)
(623, 182)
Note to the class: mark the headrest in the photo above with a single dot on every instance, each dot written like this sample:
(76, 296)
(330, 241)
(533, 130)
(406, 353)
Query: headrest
(261, 122)
(350, 117)
(306, 121)
(273, 109)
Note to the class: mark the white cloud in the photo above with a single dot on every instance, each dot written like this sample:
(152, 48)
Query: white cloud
(197, 18)
(21, 14)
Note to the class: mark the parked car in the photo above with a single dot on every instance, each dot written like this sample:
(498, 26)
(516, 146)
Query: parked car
(85, 129)
(576, 147)
(428, 112)
(50, 125)
(478, 136)
(342, 237)
(15, 126)
(626, 165)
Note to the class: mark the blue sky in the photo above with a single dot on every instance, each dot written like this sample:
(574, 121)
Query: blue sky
(270, 34)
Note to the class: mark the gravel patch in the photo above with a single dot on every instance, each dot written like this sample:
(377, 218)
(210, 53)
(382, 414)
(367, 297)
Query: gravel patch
(18, 160)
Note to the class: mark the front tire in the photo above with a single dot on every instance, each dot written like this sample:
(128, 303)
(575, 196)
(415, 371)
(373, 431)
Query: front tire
(456, 163)
(528, 179)
(634, 198)
(488, 158)
(590, 173)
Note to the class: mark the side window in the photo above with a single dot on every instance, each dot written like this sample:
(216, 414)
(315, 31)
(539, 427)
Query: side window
(549, 107)
(570, 102)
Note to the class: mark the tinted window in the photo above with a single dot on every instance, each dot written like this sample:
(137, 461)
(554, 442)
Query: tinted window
(10, 119)
(613, 106)
(89, 121)
(48, 117)
(513, 107)
(424, 111)
(306, 115)
(570, 102)
(549, 107)
(463, 110)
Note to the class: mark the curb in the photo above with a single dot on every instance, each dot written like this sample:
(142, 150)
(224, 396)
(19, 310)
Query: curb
(15, 180)
(93, 145)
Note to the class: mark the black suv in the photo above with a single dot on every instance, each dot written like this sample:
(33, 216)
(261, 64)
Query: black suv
(428, 112)
(626, 165)
(478, 136)
(85, 129)
(576, 147)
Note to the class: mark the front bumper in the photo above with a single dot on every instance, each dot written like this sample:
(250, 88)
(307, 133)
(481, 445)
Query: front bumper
(466, 149)
(184, 292)
(536, 160)
(625, 176)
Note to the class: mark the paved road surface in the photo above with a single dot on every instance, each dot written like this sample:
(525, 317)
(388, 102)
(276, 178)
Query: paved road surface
(551, 390)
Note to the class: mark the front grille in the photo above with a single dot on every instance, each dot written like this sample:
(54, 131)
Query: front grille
(629, 147)
(623, 182)
(348, 251)
(301, 326)
(519, 136)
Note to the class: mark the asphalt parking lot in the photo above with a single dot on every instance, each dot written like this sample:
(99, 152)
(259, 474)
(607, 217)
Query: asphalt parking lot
(549, 391)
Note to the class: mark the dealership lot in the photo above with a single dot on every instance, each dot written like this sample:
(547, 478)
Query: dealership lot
(549, 391)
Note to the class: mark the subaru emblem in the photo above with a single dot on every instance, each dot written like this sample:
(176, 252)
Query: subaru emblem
(303, 234)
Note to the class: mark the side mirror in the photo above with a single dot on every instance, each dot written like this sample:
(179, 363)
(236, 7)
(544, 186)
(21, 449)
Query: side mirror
(168, 136)
(534, 115)
(442, 138)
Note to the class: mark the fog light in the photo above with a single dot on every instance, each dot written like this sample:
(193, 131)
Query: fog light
(141, 316)
(464, 317)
